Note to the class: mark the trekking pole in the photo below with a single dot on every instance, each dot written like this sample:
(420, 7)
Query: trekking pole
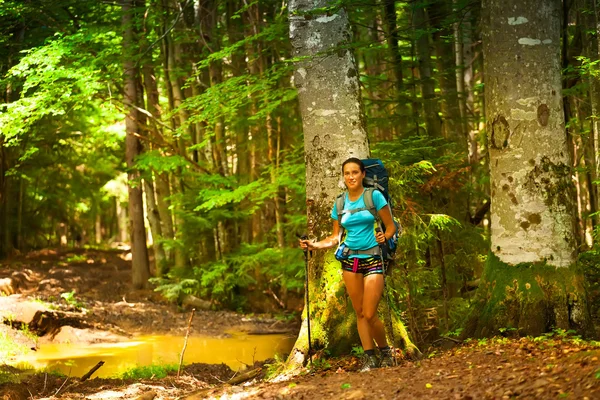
(387, 300)
(305, 237)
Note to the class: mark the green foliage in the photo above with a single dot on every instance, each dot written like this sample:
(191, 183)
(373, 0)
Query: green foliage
(76, 258)
(430, 189)
(320, 364)
(55, 80)
(71, 299)
(9, 348)
(153, 371)
(225, 281)
(8, 377)
(274, 368)
(357, 351)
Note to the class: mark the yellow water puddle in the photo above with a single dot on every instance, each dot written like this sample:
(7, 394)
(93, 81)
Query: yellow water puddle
(235, 351)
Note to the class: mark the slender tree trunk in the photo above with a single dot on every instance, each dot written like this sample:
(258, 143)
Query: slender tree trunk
(591, 49)
(163, 192)
(21, 206)
(141, 269)
(530, 281)
(446, 67)
(402, 113)
(98, 226)
(423, 52)
(160, 259)
(465, 82)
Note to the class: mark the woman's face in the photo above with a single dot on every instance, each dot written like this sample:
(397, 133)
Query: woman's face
(353, 176)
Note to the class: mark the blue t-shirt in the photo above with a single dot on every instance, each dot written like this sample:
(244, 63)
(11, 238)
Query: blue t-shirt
(359, 226)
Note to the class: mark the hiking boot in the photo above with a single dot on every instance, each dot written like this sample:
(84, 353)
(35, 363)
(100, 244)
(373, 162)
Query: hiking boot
(368, 363)
(387, 359)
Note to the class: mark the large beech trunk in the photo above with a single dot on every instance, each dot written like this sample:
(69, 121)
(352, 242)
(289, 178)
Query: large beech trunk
(334, 130)
(530, 281)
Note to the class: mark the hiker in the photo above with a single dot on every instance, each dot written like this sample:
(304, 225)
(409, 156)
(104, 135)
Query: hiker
(363, 268)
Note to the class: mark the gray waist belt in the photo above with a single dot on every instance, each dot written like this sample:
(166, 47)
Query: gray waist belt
(373, 251)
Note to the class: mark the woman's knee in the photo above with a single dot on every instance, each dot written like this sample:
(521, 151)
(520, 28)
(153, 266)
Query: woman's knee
(370, 316)
(359, 313)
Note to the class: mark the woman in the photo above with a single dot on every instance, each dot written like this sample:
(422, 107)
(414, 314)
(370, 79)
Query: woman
(362, 273)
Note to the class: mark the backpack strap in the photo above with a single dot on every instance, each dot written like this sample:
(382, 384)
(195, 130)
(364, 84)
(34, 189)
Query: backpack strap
(339, 205)
(369, 205)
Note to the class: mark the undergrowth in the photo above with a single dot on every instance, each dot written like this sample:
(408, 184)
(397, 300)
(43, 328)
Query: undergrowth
(153, 371)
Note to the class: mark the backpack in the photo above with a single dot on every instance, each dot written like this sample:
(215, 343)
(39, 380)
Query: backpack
(376, 178)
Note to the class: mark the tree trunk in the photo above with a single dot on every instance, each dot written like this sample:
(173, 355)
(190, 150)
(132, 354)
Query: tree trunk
(139, 251)
(402, 113)
(334, 130)
(160, 259)
(530, 281)
(423, 52)
(591, 150)
(464, 81)
(446, 67)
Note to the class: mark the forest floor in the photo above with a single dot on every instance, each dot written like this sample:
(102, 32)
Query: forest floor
(552, 366)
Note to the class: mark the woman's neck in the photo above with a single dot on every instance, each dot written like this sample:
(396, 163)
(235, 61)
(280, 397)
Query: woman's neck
(354, 194)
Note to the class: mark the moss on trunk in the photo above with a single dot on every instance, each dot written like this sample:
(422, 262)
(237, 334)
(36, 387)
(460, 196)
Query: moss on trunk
(332, 318)
(531, 297)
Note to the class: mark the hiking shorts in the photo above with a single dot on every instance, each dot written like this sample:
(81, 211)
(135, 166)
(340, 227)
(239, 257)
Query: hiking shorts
(365, 266)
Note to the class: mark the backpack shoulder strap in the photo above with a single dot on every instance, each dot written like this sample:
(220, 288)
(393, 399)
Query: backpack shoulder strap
(369, 205)
(339, 205)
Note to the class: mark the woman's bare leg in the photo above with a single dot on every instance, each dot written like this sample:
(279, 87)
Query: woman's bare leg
(355, 287)
(372, 292)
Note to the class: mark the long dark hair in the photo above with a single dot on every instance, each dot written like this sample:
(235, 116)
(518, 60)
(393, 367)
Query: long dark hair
(356, 161)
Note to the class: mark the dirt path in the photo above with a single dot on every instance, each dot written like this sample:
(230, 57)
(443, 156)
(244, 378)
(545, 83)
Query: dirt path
(550, 368)
(101, 281)
(555, 366)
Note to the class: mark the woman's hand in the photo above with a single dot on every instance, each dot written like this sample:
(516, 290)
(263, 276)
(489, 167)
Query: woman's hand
(306, 244)
(380, 236)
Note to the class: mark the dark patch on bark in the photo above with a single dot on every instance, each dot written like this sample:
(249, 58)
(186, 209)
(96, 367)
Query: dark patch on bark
(316, 141)
(513, 199)
(543, 114)
(534, 218)
(500, 133)
(505, 187)
(351, 73)
(511, 179)
(552, 182)
(525, 225)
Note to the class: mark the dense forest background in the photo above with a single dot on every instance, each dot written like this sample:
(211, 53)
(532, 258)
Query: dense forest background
(176, 123)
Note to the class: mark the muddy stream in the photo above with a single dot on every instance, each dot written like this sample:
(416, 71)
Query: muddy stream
(235, 351)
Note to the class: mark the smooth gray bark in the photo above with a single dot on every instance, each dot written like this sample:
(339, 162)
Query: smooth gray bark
(334, 129)
(532, 210)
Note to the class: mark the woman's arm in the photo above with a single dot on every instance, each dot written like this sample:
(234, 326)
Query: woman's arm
(390, 228)
(326, 243)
